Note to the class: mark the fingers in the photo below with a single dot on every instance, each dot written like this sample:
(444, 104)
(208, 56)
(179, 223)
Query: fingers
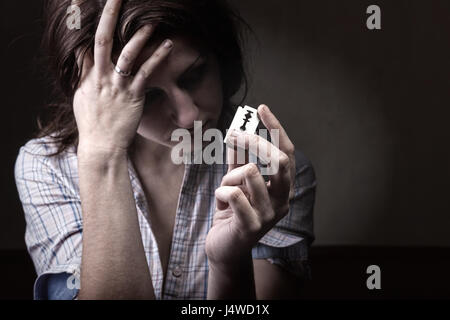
(262, 148)
(279, 162)
(272, 123)
(236, 158)
(139, 81)
(131, 51)
(105, 34)
(238, 202)
(285, 144)
(253, 183)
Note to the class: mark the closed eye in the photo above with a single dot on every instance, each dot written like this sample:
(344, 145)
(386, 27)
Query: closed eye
(193, 78)
(153, 95)
(189, 80)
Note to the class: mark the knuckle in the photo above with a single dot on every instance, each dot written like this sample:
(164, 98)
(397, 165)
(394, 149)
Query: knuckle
(126, 57)
(143, 74)
(283, 160)
(290, 149)
(102, 41)
(236, 194)
(219, 192)
(224, 180)
(130, 95)
(110, 10)
(98, 86)
(157, 54)
(251, 170)
(146, 30)
(114, 92)
(256, 226)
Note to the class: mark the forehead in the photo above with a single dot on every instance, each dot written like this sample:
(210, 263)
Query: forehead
(182, 55)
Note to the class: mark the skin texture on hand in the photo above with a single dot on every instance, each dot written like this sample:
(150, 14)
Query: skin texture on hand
(108, 108)
(107, 105)
(247, 208)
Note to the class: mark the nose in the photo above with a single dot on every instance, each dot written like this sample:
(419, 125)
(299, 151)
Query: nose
(184, 111)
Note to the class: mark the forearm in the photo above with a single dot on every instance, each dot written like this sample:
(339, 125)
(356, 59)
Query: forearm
(234, 281)
(113, 260)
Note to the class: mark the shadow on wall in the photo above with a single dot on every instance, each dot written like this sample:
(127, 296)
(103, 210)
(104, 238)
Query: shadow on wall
(352, 100)
(369, 108)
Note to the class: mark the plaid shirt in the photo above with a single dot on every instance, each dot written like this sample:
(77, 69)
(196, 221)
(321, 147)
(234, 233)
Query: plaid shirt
(49, 191)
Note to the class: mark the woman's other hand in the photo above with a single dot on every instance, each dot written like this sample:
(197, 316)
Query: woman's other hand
(247, 206)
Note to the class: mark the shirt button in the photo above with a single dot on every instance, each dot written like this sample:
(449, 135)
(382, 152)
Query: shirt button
(176, 272)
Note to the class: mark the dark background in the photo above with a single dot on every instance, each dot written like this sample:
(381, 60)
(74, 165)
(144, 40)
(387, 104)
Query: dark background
(369, 108)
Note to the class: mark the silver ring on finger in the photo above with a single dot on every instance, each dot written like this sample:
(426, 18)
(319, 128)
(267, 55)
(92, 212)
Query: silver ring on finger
(121, 72)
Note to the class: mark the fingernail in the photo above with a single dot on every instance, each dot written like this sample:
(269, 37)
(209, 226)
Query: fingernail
(168, 44)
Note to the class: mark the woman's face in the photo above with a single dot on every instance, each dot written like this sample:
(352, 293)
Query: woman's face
(186, 87)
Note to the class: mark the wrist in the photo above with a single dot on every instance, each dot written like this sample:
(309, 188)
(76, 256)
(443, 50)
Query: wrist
(103, 143)
(232, 266)
(99, 156)
(232, 281)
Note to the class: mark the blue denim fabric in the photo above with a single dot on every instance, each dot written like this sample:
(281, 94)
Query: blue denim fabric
(54, 287)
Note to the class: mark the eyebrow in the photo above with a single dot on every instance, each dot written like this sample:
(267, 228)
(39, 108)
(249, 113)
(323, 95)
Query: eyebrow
(185, 72)
(200, 56)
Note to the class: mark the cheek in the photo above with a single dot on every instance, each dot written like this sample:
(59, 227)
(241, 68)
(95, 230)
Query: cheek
(210, 96)
(153, 125)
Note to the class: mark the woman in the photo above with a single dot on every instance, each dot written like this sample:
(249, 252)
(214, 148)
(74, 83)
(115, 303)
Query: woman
(108, 214)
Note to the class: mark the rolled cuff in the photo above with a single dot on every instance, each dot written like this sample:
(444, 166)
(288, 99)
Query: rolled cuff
(59, 283)
(292, 258)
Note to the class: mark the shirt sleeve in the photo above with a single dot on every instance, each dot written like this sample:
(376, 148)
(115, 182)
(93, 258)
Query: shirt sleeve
(52, 211)
(287, 243)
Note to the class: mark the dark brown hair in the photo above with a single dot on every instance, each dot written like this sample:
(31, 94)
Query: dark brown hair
(213, 24)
